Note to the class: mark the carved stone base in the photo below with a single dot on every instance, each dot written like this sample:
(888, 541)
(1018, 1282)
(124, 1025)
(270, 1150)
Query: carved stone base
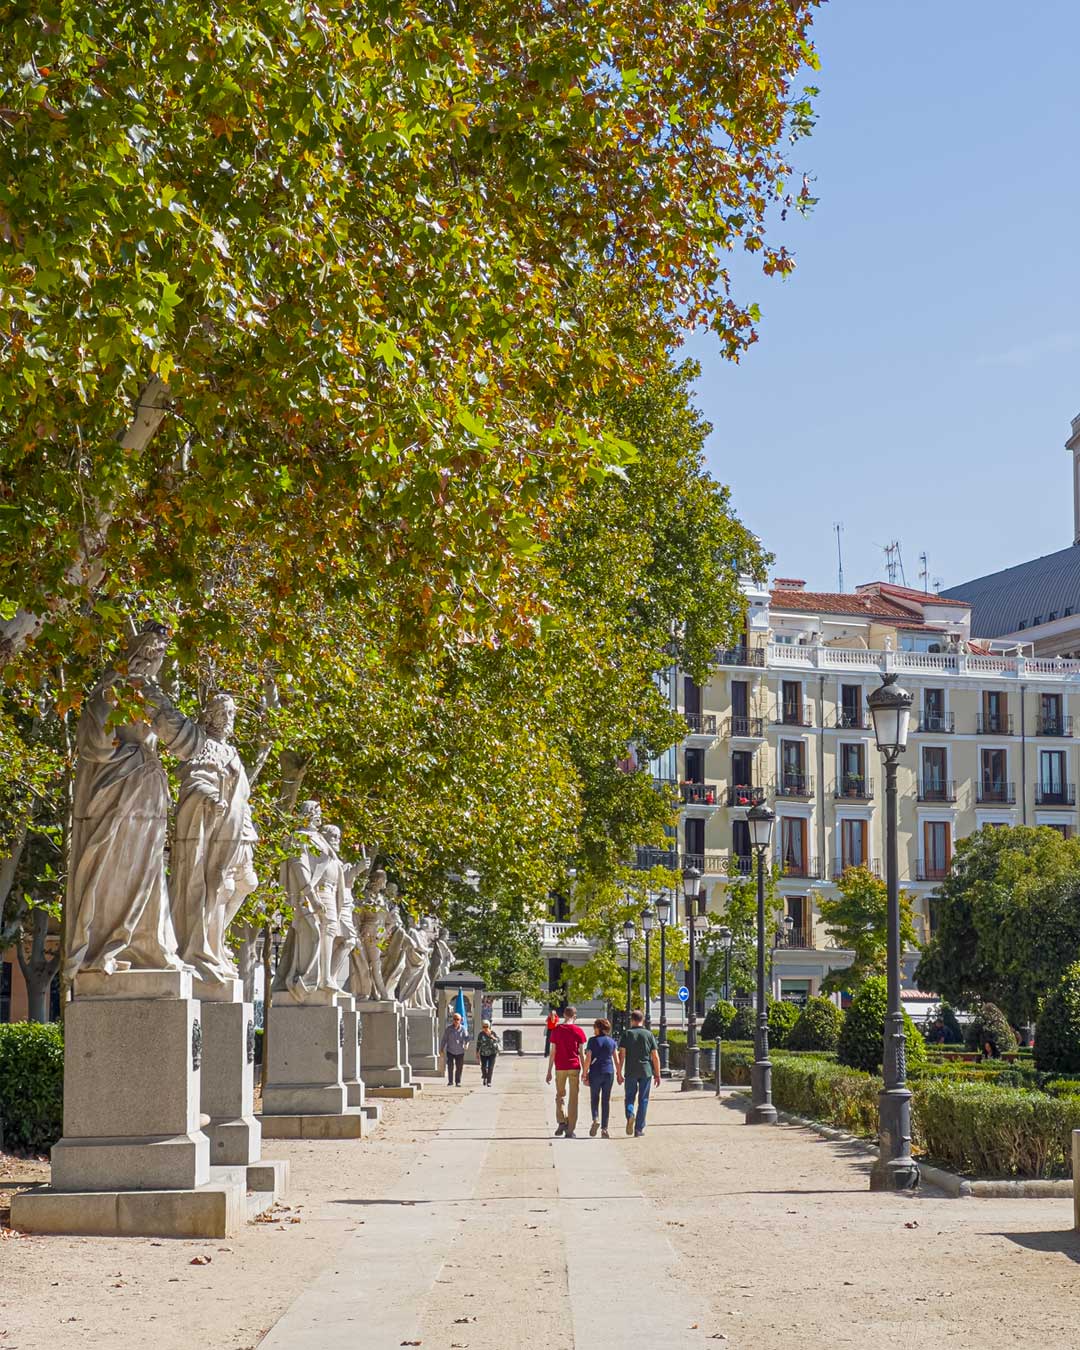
(209, 1211)
(303, 1068)
(351, 1050)
(423, 1041)
(351, 1123)
(228, 1086)
(384, 1062)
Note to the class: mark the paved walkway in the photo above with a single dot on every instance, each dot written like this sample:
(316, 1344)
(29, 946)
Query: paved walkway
(502, 1236)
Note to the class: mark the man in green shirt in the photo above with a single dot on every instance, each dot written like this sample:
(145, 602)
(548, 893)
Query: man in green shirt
(639, 1064)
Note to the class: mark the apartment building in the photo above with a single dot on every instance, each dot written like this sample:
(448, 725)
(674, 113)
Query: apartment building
(783, 718)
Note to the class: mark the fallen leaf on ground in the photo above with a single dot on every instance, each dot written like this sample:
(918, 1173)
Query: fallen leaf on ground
(912, 1223)
(459, 1320)
(200, 1260)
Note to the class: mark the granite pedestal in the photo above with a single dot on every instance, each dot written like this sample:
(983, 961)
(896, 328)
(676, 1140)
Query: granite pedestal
(423, 1041)
(133, 1158)
(385, 1066)
(305, 1096)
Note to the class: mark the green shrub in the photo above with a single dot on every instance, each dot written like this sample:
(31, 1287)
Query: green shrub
(743, 1024)
(990, 1026)
(988, 1131)
(31, 1085)
(1057, 1032)
(818, 1027)
(782, 1018)
(823, 1090)
(736, 1058)
(944, 1028)
(1062, 1087)
(717, 1020)
(862, 1035)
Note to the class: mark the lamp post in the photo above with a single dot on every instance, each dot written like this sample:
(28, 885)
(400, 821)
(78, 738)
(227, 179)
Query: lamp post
(663, 913)
(725, 938)
(648, 923)
(628, 933)
(692, 1078)
(759, 820)
(895, 1169)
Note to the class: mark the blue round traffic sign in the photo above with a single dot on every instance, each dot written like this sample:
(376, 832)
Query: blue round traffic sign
(684, 993)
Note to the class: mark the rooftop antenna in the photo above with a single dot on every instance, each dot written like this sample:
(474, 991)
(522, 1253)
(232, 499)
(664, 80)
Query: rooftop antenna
(894, 566)
(924, 572)
(838, 527)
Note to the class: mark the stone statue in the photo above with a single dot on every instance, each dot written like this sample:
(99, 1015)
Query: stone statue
(117, 900)
(306, 956)
(414, 988)
(212, 872)
(347, 936)
(395, 945)
(365, 973)
(442, 958)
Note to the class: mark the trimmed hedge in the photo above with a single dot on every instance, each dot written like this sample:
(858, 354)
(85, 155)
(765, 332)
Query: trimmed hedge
(818, 1027)
(822, 1090)
(990, 1026)
(744, 1024)
(861, 1043)
(718, 1020)
(782, 1019)
(1057, 1032)
(988, 1131)
(31, 1085)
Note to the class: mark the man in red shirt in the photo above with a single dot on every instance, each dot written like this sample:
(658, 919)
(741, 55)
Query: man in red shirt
(564, 1059)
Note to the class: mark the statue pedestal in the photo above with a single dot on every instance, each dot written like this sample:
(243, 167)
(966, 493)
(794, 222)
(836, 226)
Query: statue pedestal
(385, 1065)
(423, 1041)
(133, 1159)
(305, 1095)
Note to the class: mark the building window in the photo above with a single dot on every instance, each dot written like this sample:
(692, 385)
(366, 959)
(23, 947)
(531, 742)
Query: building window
(740, 844)
(852, 770)
(993, 775)
(935, 771)
(852, 843)
(793, 858)
(851, 714)
(694, 839)
(695, 766)
(995, 713)
(1064, 830)
(1052, 785)
(740, 699)
(937, 849)
(791, 703)
(921, 642)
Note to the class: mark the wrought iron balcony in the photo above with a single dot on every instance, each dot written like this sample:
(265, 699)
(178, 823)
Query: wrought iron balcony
(937, 790)
(801, 867)
(794, 937)
(740, 865)
(1004, 793)
(937, 724)
(752, 728)
(852, 721)
(1064, 794)
(740, 656)
(699, 794)
(742, 794)
(841, 865)
(1058, 725)
(656, 857)
(855, 787)
(701, 724)
(931, 871)
(788, 715)
(994, 724)
(791, 784)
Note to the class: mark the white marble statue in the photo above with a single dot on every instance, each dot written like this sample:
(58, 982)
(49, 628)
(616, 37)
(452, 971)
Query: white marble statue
(414, 988)
(347, 935)
(117, 901)
(395, 945)
(365, 970)
(442, 958)
(212, 867)
(306, 955)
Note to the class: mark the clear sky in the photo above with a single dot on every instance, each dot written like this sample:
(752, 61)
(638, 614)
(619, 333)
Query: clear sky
(916, 376)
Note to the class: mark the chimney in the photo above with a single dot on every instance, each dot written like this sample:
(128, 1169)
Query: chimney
(789, 584)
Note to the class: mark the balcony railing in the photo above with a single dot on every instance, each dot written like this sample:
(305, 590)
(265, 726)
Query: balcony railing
(788, 715)
(698, 794)
(996, 792)
(742, 794)
(1058, 725)
(931, 871)
(751, 727)
(795, 785)
(740, 656)
(794, 937)
(563, 935)
(800, 867)
(701, 724)
(1062, 795)
(937, 790)
(854, 787)
(656, 857)
(852, 721)
(937, 723)
(841, 865)
(994, 724)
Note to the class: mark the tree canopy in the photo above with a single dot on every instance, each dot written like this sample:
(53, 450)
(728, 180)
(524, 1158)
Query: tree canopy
(857, 919)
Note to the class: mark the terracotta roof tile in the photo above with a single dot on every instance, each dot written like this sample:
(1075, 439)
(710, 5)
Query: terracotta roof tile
(826, 602)
(906, 593)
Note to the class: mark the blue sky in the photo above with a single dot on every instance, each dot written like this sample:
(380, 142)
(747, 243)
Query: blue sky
(916, 376)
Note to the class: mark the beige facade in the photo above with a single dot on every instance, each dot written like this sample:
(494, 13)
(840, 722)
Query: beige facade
(784, 718)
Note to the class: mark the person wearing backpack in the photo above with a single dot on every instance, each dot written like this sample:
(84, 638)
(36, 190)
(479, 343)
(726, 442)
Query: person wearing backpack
(487, 1048)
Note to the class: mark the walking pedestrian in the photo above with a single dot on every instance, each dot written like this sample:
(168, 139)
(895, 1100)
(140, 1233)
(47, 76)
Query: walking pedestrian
(455, 1041)
(600, 1073)
(639, 1064)
(487, 1047)
(549, 1026)
(565, 1061)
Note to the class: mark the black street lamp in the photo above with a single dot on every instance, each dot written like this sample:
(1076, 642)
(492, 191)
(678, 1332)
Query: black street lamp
(648, 923)
(895, 1169)
(725, 938)
(759, 820)
(628, 933)
(663, 913)
(694, 910)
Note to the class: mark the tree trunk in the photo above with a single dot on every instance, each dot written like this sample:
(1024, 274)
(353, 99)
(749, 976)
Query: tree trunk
(268, 951)
(293, 767)
(89, 566)
(38, 969)
(11, 922)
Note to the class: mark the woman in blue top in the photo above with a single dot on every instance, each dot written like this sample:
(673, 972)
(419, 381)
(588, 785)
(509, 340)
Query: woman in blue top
(599, 1073)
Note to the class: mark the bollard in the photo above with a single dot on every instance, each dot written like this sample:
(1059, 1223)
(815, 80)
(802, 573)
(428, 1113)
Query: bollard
(719, 1063)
